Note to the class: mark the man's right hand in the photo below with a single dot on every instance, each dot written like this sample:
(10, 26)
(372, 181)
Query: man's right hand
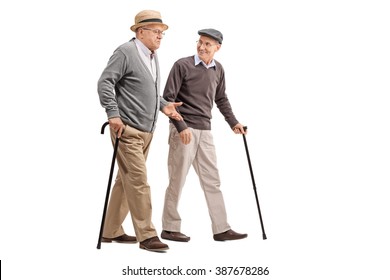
(117, 125)
(185, 136)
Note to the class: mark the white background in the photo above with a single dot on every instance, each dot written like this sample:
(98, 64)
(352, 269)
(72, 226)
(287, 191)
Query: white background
(310, 79)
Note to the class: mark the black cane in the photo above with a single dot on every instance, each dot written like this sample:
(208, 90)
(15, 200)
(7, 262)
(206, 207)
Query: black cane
(254, 184)
(109, 185)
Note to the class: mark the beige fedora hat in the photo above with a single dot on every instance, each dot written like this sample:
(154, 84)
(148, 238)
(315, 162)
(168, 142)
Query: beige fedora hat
(147, 17)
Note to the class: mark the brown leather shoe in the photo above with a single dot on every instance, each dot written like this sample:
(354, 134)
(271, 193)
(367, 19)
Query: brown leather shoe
(229, 235)
(174, 236)
(121, 239)
(153, 244)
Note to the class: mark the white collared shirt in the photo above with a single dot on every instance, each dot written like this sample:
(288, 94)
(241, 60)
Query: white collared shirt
(146, 56)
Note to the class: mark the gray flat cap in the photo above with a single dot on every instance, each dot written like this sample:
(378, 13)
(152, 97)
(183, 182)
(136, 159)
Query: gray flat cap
(212, 33)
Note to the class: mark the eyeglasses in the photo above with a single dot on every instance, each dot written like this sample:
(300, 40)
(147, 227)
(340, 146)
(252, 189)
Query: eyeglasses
(155, 31)
(206, 44)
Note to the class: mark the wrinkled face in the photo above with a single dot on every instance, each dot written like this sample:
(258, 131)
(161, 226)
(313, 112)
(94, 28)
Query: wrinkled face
(151, 35)
(206, 48)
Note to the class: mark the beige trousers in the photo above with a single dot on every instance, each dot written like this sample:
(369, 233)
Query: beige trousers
(131, 191)
(200, 153)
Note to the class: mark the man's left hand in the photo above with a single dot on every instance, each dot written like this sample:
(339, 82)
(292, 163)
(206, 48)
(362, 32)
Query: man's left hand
(239, 129)
(170, 111)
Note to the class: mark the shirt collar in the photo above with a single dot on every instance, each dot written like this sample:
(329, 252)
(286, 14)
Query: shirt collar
(143, 48)
(198, 61)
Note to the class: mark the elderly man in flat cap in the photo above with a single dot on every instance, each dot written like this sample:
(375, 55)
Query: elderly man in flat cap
(197, 81)
(129, 91)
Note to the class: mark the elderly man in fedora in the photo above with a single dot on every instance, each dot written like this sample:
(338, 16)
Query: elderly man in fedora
(198, 81)
(129, 92)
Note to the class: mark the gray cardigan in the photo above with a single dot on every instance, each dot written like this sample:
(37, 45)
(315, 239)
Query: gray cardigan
(127, 90)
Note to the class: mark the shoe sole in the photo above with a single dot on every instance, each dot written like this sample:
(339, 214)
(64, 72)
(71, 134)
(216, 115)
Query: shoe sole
(154, 250)
(239, 238)
(178, 240)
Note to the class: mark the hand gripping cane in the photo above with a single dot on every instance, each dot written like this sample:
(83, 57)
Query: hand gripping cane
(109, 185)
(254, 184)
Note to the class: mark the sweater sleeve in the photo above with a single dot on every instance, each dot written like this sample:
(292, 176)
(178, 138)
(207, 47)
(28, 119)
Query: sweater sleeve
(171, 90)
(113, 72)
(163, 103)
(222, 102)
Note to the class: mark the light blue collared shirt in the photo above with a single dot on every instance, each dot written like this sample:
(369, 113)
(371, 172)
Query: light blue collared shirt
(198, 60)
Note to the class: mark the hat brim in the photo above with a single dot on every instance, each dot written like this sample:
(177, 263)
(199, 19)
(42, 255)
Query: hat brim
(136, 26)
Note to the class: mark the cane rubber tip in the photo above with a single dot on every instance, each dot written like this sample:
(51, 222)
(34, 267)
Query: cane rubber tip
(264, 237)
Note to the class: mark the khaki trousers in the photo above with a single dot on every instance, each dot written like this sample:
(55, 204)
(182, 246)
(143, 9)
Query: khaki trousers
(200, 153)
(131, 191)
